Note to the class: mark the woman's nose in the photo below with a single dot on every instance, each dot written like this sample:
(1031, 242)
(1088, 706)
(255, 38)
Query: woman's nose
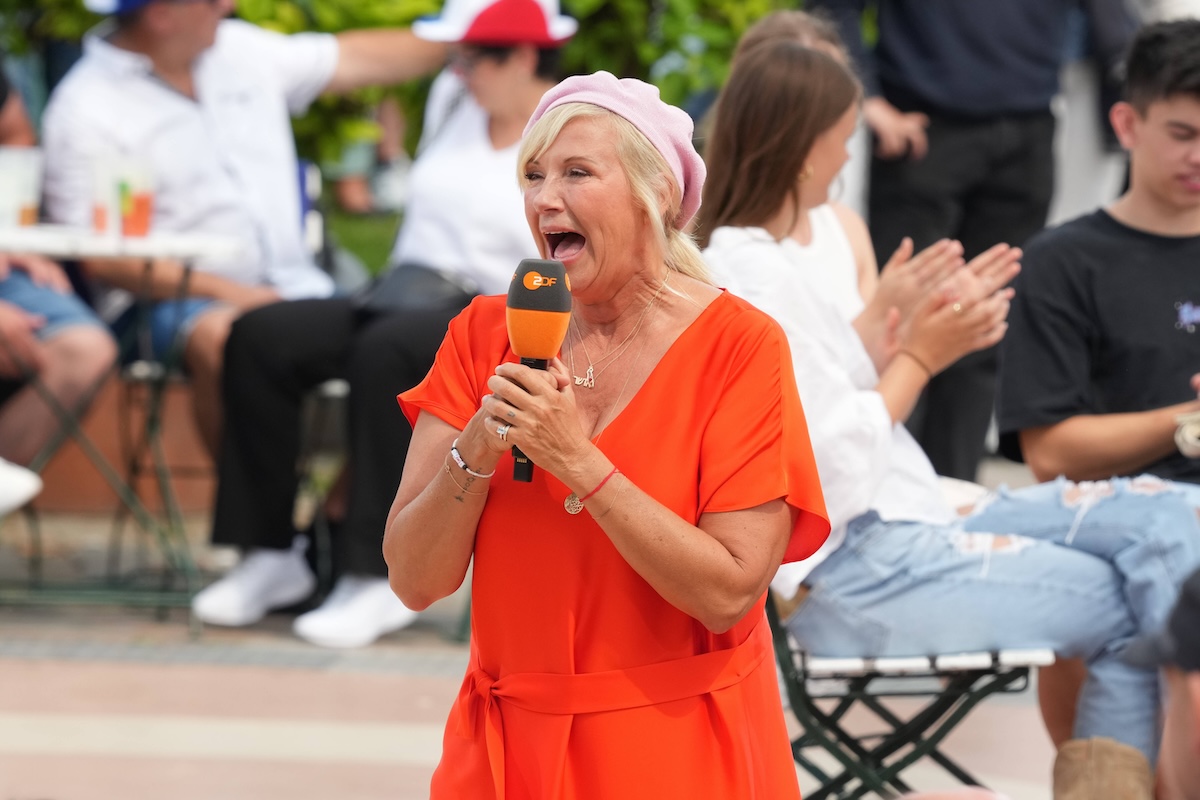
(545, 196)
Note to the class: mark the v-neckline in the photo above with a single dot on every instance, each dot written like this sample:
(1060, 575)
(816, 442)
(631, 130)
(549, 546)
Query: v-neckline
(669, 354)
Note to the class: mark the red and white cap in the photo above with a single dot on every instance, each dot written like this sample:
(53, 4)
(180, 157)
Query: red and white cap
(498, 22)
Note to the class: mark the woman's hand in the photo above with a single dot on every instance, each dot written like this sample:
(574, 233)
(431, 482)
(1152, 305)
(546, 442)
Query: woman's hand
(538, 408)
(906, 283)
(962, 318)
(906, 280)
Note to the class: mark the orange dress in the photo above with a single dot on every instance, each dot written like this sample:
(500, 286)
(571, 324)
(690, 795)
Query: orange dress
(583, 681)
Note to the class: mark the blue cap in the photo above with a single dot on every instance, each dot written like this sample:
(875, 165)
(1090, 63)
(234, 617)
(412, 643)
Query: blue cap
(114, 6)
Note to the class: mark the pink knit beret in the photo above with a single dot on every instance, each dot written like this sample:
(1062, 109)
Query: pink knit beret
(668, 128)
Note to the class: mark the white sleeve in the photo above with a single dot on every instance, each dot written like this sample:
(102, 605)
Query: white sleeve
(302, 63)
(72, 146)
(849, 424)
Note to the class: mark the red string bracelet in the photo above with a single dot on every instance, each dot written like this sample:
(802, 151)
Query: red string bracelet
(574, 503)
(600, 485)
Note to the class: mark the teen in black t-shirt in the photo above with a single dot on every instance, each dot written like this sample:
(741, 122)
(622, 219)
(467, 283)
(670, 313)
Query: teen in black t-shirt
(1103, 349)
(1106, 320)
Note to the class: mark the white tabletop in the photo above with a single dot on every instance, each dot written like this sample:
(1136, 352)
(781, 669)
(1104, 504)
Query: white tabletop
(61, 241)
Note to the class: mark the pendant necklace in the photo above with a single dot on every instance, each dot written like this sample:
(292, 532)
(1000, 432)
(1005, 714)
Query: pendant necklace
(572, 503)
(588, 380)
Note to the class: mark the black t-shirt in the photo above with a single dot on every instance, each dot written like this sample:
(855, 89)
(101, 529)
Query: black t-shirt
(1106, 319)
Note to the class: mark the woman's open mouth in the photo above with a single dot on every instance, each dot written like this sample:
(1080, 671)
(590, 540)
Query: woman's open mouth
(564, 244)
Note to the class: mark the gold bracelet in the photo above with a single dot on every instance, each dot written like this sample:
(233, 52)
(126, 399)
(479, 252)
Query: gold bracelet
(620, 489)
(918, 361)
(462, 488)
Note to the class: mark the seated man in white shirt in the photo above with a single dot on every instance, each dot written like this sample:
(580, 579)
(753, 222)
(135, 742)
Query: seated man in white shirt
(203, 103)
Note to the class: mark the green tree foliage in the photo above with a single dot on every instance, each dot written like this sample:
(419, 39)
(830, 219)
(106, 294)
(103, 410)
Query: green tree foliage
(683, 46)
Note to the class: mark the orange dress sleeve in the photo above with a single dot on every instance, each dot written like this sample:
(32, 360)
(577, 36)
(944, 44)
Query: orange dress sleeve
(476, 342)
(756, 446)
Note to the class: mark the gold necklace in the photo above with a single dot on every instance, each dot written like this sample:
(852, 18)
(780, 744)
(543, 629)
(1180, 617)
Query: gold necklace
(588, 381)
(572, 503)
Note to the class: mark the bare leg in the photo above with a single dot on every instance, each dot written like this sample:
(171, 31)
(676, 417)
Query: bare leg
(75, 359)
(1058, 697)
(204, 356)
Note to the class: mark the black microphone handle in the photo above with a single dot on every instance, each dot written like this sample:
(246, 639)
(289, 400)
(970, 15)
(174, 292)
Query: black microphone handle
(522, 466)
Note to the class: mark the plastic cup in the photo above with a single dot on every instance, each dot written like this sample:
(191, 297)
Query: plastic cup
(135, 195)
(20, 185)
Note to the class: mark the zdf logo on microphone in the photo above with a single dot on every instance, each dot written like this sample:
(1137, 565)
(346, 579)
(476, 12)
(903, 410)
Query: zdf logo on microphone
(535, 280)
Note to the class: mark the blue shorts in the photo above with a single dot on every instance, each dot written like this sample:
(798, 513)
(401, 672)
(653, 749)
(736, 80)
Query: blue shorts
(170, 322)
(61, 309)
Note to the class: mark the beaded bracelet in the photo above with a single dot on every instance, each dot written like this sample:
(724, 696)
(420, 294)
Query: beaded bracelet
(458, 459)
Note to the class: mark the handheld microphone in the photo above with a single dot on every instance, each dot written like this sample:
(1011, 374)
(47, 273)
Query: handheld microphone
(538, 312)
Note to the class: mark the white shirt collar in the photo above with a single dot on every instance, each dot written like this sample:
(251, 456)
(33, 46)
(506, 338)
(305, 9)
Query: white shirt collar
(116, 59)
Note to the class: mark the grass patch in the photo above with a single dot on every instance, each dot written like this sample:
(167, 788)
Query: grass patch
(370, 236)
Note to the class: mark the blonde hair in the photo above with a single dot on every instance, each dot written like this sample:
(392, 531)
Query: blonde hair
(650, 179)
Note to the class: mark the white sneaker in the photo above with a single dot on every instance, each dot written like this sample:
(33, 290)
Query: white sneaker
(17, 486)
(357, 612)
(264, 580)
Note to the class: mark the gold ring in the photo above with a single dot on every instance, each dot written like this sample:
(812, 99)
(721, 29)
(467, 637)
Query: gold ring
(502, 432)
(957, 308)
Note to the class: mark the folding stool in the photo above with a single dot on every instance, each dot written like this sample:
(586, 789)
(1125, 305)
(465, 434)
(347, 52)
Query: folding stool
(822, 691)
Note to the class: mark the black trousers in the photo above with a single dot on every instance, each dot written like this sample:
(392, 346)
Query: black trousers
(274, 356)
(982, 182)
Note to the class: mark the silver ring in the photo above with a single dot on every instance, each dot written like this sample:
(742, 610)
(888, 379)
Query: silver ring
(502, 432)
(957, 308)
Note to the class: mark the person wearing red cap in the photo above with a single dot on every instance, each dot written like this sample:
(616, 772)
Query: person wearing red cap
(202, 105)
(463, 234)
(621, 652)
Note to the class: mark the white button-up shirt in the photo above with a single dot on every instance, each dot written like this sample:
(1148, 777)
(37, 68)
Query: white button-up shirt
(224, 163)
(866, 461)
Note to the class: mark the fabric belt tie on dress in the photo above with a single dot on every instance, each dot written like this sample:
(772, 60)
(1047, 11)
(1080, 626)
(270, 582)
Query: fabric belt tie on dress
(611, 690)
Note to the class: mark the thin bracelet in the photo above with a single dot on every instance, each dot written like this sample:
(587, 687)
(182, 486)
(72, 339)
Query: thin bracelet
(920, 363)
(600, 485)
(619, 491)
(461, 488)
(458, 459)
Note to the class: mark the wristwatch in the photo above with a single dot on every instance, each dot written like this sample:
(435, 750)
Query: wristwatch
(1187, 435)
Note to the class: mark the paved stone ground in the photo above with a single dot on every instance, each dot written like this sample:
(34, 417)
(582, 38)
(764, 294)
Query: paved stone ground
(100, 703)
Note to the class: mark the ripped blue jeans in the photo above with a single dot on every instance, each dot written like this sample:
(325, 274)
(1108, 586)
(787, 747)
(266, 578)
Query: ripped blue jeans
(1078, 568)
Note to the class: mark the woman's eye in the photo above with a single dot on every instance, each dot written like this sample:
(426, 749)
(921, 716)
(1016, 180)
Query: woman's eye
(576, 172)
(532, 176)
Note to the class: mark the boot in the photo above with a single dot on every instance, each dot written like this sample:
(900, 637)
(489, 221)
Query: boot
(1101, 769)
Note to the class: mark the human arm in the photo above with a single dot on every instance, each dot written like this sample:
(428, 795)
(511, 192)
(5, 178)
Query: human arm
(430, 531)
(20, 351)
(1098, 446)
(382, 57)
(162, 279)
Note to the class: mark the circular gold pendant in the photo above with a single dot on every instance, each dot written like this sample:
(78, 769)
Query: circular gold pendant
(573, 504)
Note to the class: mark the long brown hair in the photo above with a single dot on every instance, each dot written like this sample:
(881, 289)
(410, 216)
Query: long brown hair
(779, 98)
